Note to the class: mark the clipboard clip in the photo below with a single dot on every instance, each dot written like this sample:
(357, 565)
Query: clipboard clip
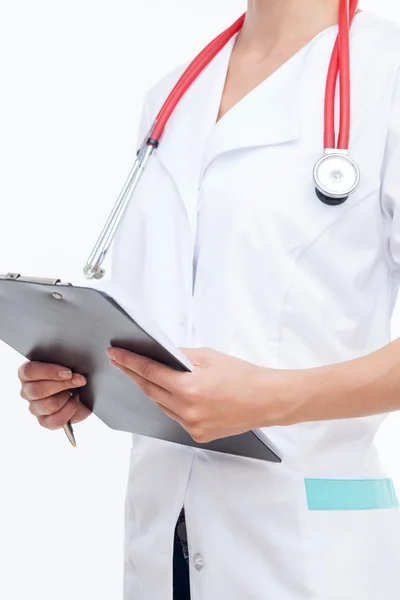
(43, 280)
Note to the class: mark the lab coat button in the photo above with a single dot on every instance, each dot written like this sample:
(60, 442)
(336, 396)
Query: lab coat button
(198, 562)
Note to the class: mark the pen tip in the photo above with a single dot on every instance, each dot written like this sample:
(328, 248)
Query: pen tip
(70, 433)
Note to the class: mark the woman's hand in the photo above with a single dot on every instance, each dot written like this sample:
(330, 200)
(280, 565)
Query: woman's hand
(224, 396)
(49, 391)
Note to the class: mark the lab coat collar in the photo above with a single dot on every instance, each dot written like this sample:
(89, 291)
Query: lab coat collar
(193, 138)
(185, 137)
(267, 116)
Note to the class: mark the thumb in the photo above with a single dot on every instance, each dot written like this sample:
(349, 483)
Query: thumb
(199, 357)
(81, 414)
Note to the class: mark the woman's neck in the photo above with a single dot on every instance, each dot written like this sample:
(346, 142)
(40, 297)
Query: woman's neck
(269, 23)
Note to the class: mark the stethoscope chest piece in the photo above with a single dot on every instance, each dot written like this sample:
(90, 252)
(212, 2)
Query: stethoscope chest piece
(336, 176)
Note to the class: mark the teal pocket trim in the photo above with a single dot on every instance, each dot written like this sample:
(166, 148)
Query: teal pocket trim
(350, 494)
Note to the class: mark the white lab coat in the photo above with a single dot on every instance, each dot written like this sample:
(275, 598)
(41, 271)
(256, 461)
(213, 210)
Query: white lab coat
(281, 280)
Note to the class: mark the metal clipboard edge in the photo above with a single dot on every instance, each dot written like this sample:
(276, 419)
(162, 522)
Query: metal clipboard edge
(68, 429)
(43, 280)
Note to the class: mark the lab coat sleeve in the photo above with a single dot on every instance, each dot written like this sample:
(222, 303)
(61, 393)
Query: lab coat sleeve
(390, 190)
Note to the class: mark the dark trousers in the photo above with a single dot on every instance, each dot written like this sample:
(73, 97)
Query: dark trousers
(181, 582)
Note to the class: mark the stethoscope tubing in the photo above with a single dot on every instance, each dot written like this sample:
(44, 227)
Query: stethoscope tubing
(339, 66)
(340, 63)
(190, 75)
(323, 170)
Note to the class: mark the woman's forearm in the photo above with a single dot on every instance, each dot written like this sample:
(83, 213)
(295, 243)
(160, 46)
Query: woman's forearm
(361, 387)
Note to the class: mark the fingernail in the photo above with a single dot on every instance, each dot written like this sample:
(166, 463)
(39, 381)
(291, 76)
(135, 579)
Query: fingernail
(65, 374)
(78, 380)
(114, 364)
(110, 352)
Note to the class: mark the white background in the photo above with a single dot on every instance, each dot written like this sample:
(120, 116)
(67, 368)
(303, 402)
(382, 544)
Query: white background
(73, 75)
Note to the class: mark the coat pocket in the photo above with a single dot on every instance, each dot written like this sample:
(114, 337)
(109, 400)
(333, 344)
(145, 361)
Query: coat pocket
(353, 532)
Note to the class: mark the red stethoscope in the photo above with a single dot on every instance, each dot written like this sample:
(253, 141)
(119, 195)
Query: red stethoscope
(336, 175)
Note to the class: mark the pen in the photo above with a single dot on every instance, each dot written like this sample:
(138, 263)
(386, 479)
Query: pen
(69, 432)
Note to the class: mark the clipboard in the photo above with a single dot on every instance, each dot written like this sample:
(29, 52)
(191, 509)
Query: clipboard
(49, 321)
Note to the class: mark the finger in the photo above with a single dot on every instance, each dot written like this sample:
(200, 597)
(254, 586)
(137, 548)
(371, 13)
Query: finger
(52, 405)
(81, 414)
(194, 431)
(60, 418)
(39, 371)
(49, 406)
(199, 357)
(161, 375)
(165, 401)
(154, 392)
(170, 413)
(39, 390)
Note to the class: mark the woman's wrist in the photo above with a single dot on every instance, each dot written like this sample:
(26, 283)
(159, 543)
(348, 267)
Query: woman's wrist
(282, 396)
(301, 394)
(313, 394)
(360, 387)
